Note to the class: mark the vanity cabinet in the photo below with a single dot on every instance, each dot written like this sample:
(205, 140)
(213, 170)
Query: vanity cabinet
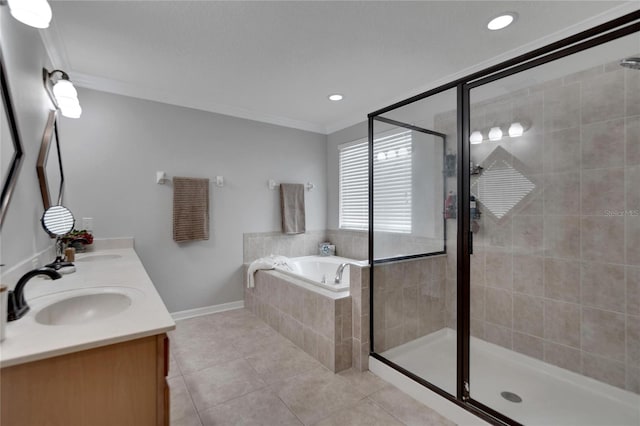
(119, 384)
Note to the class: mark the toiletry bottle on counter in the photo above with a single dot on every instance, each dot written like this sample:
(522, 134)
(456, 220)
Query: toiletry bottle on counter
(70, 254)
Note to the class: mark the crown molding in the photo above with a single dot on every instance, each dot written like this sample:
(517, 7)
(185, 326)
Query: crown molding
(57, 54)
(200, 102)
(55, 48)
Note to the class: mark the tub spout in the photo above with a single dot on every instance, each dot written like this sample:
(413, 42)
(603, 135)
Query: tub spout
(339, 272)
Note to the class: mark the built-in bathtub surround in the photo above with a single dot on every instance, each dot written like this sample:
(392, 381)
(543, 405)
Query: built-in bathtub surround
(355, 244)
(408, 300)
(318, 321)
(558, 278)
(360, 314)
(262, 244)
(350, 243)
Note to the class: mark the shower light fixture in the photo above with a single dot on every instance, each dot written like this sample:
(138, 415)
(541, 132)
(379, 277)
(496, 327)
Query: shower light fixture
(516, 130)
(335, 97)
(62, 93)
(495, 134)
(476, 138)
(35, 13)
(502, 21)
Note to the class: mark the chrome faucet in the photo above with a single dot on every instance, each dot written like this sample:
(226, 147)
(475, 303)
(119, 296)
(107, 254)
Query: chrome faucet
(17, 305)
(339, 272)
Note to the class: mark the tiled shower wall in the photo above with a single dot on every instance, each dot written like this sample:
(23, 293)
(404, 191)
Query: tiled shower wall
(408, 300)
(558, 278)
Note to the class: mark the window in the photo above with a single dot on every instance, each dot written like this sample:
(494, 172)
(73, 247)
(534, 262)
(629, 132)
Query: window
(392, 183)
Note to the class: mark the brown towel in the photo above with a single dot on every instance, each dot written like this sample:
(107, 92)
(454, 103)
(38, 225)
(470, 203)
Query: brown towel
(292, 207)
(190, 209)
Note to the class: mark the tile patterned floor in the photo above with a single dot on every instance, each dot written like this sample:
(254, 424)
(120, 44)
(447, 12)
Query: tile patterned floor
(231, 368)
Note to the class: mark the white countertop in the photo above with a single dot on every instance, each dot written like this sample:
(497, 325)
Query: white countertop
(27, 340)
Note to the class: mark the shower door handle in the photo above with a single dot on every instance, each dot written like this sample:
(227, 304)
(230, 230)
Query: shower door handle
(470, 242)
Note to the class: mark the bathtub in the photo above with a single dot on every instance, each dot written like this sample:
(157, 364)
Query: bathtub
(321, 270)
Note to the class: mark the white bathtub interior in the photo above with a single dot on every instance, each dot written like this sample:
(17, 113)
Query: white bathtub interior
(321, 270)
(550, 395)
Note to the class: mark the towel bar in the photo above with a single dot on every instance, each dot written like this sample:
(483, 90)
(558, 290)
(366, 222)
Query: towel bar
(273, 185)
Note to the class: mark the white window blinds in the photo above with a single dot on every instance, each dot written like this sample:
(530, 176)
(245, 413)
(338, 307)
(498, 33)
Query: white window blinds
(392, 183)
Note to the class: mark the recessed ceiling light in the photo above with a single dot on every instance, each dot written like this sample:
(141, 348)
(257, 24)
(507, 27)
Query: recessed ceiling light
(502, 21)
(336, 97)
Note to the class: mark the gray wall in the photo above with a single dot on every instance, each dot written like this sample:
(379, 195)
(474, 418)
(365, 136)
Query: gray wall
(111, 156)
(25, 57)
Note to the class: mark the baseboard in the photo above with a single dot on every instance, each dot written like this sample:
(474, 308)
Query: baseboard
(206, 310)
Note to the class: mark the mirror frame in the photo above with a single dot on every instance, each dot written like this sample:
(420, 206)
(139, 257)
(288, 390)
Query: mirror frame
(11, 177)
(50, 132)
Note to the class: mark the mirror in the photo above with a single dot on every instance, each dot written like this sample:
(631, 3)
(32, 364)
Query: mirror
(49, 165)
(11, 153)
(58, 221)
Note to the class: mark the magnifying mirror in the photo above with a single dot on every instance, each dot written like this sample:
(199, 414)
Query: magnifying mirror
(58, 221)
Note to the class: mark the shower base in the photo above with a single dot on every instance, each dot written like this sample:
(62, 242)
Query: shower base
(549, 395)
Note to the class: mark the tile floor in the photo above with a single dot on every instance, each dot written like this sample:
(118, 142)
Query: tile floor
(231, 368)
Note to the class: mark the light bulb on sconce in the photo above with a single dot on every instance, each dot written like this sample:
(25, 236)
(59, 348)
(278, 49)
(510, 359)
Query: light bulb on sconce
(63, 94)
(516, 130)
(476, 138)
(495, 134)
(35, 13)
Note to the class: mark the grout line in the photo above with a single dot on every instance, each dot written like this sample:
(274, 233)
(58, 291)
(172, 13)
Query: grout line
(580, 236)
(374, 402)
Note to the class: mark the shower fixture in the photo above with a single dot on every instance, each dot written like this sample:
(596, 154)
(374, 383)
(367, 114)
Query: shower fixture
(632, 63)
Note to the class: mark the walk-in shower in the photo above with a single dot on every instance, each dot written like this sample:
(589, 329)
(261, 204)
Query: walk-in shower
(507, 278)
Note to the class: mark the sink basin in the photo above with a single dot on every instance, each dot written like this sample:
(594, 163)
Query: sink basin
(84, 306)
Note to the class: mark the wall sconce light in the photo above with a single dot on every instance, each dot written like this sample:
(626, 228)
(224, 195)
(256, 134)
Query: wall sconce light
(516, 130)
(35, 13)
(62, 93)
(495, 134)
(476, 138)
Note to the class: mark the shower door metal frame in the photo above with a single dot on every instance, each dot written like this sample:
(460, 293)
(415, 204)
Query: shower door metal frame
(444, 184)
(598, 35)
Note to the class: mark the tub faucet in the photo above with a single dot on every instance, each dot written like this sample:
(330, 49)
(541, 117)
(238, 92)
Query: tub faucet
(339, 272)
(17, 305)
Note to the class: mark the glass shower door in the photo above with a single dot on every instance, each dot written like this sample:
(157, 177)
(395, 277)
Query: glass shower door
(414, 297)
(555, 216)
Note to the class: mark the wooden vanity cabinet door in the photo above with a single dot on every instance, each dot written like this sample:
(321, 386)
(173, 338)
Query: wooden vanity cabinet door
(117, 384)
(163, 387)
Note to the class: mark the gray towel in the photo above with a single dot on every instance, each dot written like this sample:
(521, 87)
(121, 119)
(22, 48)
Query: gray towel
(292, 207)
(190, 209)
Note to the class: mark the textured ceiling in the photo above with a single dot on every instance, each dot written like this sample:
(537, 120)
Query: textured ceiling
(278, 61)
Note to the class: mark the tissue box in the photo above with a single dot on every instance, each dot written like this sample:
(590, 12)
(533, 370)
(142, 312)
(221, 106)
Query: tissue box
(326, 249)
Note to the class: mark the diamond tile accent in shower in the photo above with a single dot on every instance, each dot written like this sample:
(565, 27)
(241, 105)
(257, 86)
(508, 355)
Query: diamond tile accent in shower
(503, 184)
